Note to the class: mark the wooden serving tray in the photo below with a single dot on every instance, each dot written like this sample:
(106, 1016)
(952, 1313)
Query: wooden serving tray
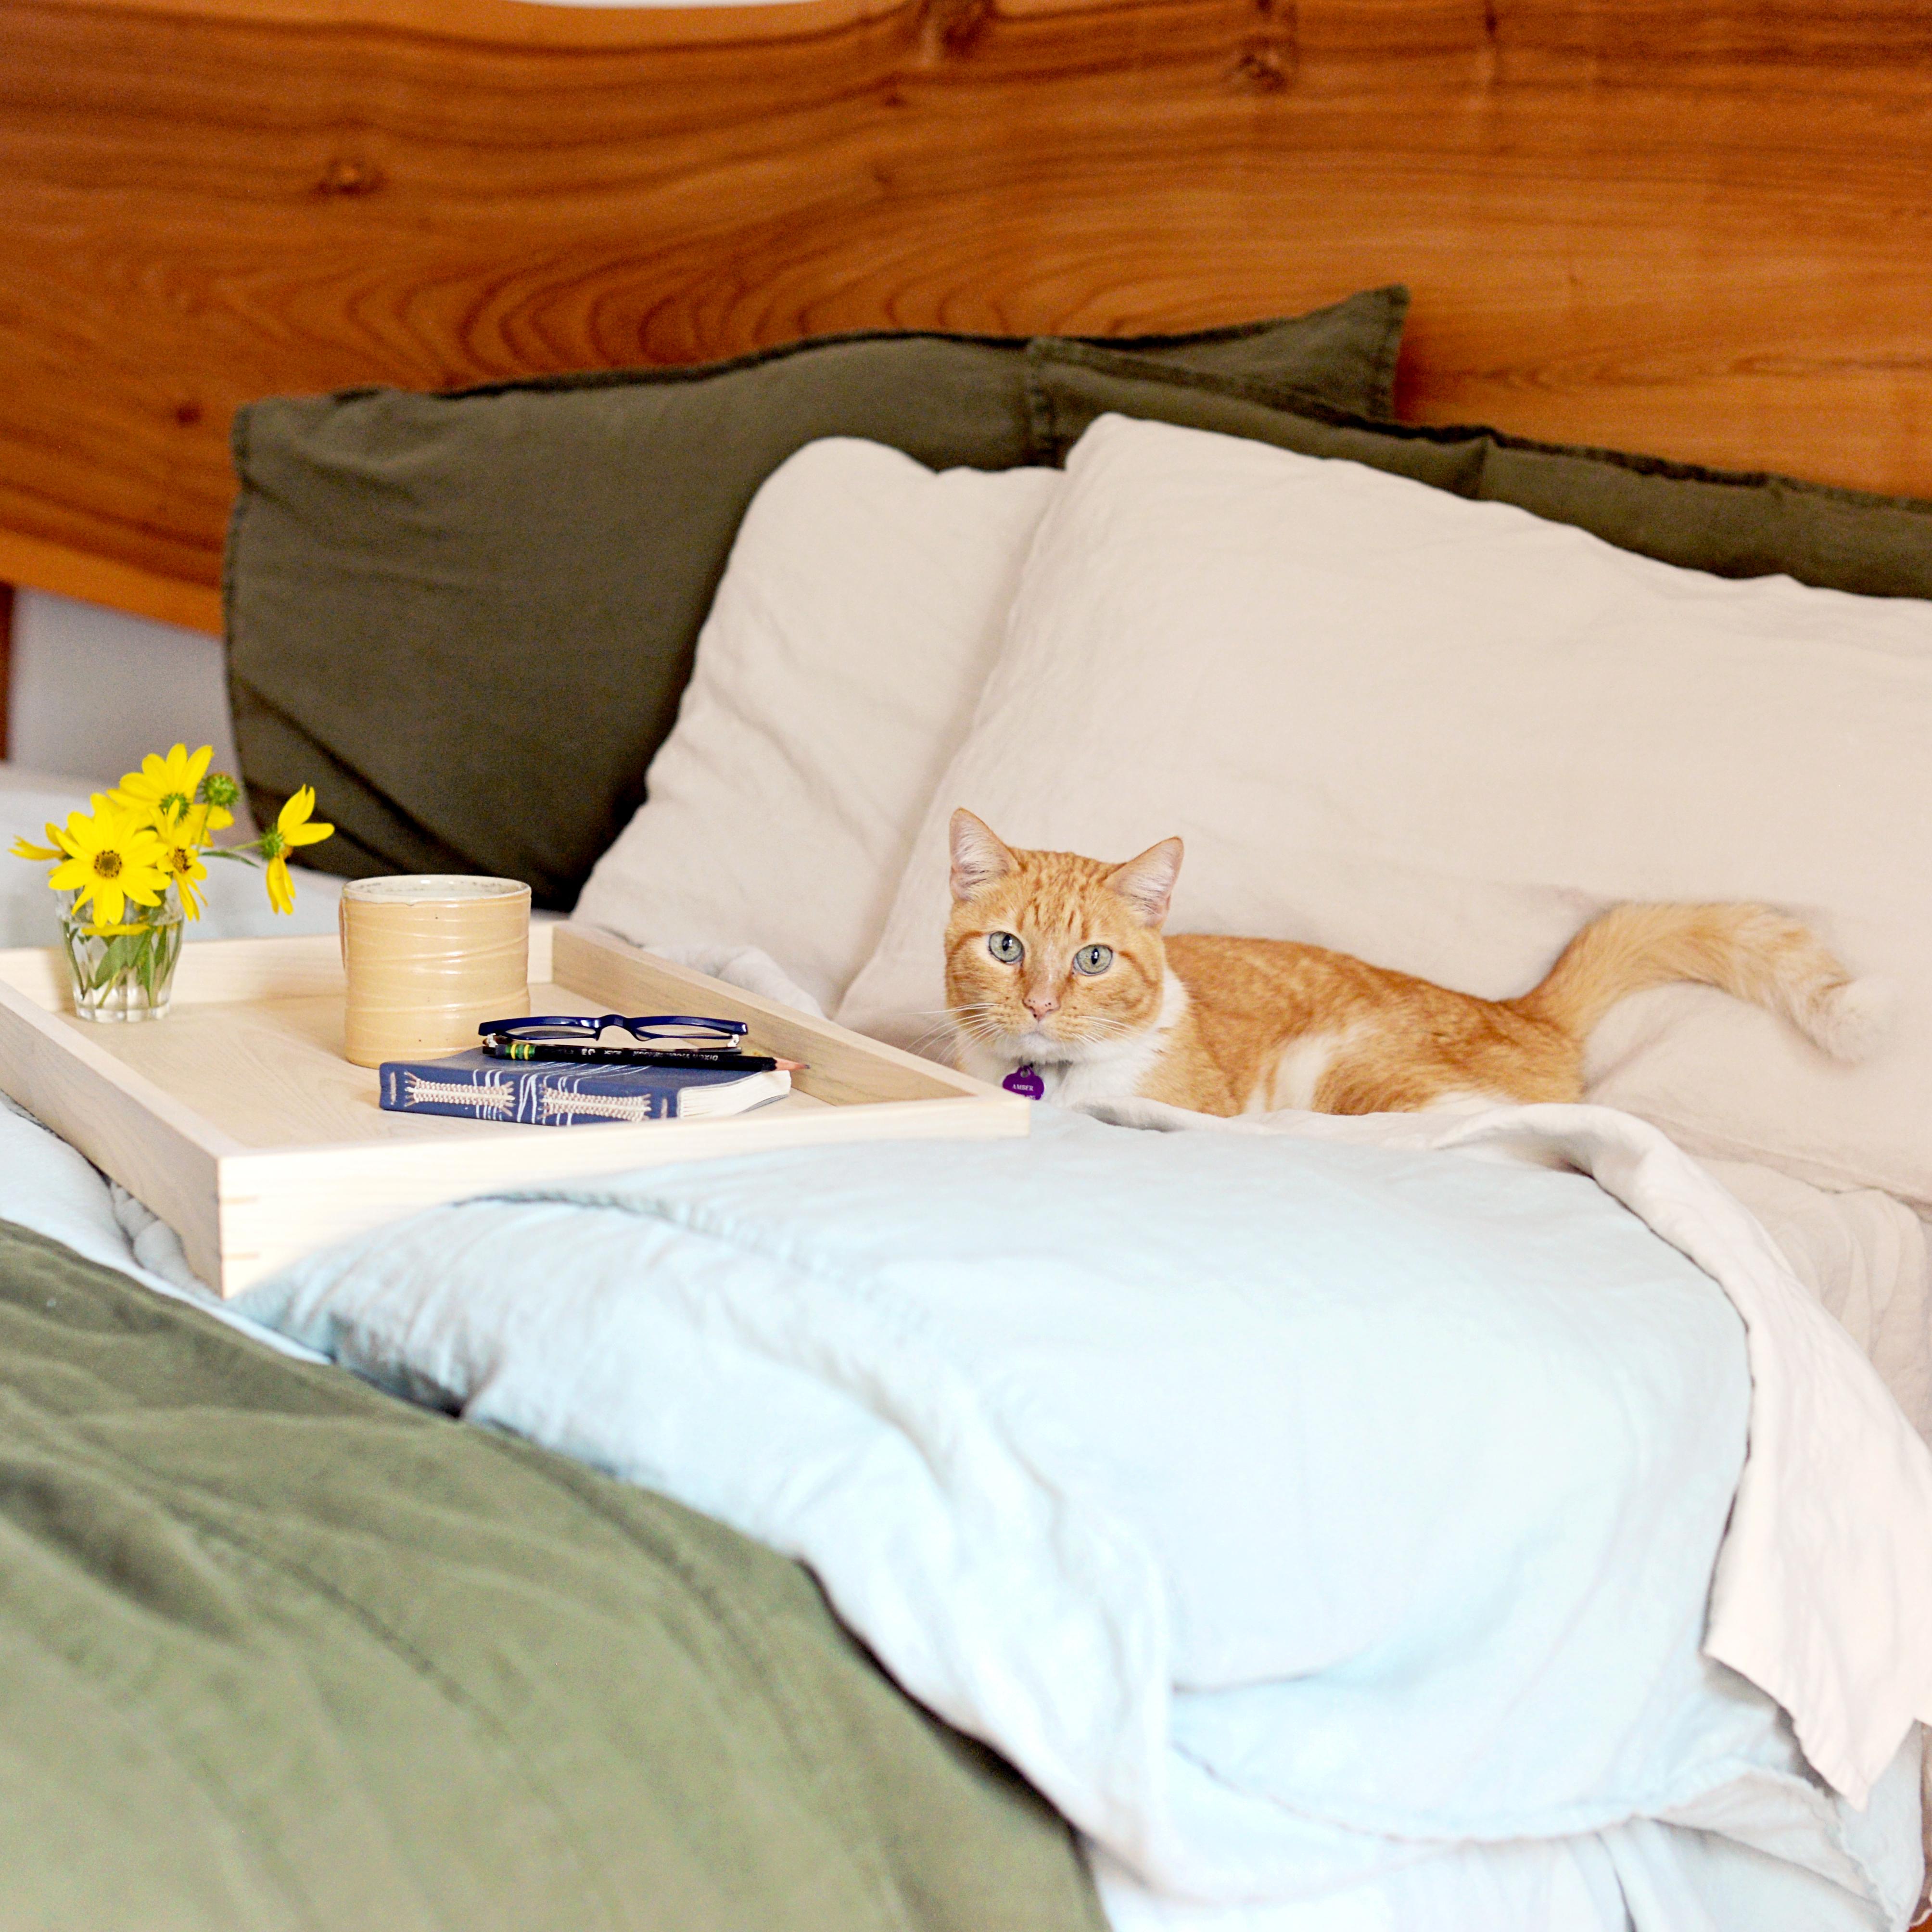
(237, 1119)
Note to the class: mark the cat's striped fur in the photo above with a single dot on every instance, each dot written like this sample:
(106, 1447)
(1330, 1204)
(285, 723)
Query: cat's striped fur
(1233, 1026)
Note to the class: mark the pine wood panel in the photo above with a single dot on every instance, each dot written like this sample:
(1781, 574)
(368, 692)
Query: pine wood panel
(1693, 227)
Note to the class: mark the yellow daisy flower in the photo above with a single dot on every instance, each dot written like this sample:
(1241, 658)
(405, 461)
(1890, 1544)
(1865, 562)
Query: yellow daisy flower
(111, 858)
(180, 857)
(20, 849)
(164, 788)
(291, 828)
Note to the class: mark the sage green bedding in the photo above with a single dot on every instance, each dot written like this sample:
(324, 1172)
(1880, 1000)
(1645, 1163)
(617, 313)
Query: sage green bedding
(279, 1651)
(467, 618)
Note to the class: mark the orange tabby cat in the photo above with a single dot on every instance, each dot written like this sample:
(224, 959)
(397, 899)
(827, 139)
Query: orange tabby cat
(1057, 975)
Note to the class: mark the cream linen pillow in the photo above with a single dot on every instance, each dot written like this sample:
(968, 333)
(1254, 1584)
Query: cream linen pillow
(1441, 734)
(859, 612)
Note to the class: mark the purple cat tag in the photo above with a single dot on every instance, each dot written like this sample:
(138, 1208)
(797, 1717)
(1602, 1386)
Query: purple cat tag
(1026, 1083)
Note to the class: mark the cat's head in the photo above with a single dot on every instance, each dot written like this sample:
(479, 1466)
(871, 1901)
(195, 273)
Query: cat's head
(1051, 957)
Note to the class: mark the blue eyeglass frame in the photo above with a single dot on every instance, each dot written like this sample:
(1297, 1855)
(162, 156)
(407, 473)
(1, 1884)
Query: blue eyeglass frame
(663, 1029)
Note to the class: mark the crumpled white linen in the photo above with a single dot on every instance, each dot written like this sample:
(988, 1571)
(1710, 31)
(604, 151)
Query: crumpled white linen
(1865, 1256)
(1825, 1569)
(748, 967)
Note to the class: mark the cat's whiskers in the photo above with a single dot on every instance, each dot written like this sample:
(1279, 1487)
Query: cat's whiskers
(985, 1023)
(1104, 1026)
(973, 1010)
(953, 1027)
(974, 1020)
(1098, 1030)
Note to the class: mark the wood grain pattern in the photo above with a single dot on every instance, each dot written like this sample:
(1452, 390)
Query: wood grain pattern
(95, 579)
(508, 23)
(1692, 226)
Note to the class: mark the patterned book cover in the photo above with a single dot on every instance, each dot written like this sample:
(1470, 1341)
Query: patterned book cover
(479, 1086)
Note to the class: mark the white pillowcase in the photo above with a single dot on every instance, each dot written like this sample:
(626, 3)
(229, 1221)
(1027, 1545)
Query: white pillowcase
(860, 611)
(1441, 735)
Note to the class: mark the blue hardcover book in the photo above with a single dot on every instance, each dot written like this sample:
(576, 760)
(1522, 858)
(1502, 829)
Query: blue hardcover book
(558, 1093)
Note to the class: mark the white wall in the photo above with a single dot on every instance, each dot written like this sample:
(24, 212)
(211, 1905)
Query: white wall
(93, 691)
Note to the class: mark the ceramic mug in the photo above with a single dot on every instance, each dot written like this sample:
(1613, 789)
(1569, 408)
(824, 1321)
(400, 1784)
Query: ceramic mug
(428, 957)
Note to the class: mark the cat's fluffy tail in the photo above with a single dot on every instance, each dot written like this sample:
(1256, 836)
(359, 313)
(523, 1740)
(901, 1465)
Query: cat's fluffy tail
(1745, 950)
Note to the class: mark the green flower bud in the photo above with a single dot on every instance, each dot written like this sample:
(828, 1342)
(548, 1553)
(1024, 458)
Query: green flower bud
(217, 788)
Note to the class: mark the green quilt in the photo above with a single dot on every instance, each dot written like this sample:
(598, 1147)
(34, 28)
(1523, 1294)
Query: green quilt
(277, 1651)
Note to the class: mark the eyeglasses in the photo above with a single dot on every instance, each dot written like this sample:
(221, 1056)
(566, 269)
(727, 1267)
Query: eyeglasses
(668, 1032)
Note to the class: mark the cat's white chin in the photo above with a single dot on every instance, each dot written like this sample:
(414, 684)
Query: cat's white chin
(1036, 1048)
(1069, 1052)
(1076, 1071)
(994, 1059)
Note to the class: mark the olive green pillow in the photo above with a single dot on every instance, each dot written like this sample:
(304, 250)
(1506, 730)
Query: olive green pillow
(467, 618)
(1730, 523)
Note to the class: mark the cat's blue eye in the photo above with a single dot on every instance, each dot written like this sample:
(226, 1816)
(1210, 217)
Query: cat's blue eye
(1004, 947)
(1092, 959)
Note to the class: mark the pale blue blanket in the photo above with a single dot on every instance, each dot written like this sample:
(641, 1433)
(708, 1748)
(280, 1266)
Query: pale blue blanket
(1291, 1514)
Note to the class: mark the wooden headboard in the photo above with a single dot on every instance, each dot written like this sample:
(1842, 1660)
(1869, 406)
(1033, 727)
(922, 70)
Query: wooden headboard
(1693, 227)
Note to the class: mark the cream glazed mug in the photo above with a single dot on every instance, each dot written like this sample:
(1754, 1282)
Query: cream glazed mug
(428, 957)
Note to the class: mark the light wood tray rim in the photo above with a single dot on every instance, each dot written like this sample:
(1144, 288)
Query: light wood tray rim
(244, 1208)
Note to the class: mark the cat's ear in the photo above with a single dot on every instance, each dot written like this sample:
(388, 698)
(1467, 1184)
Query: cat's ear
(1147, 883)
(978, 857)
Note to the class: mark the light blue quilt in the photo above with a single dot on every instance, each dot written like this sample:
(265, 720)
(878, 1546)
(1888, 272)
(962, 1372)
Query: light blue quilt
(1293, 1514)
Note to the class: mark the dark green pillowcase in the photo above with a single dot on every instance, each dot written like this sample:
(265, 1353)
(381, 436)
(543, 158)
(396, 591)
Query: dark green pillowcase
(1731, 524)
(467, 618)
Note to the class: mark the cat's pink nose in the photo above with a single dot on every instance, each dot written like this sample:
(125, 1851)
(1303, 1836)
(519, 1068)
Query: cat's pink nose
(1040, 1004)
